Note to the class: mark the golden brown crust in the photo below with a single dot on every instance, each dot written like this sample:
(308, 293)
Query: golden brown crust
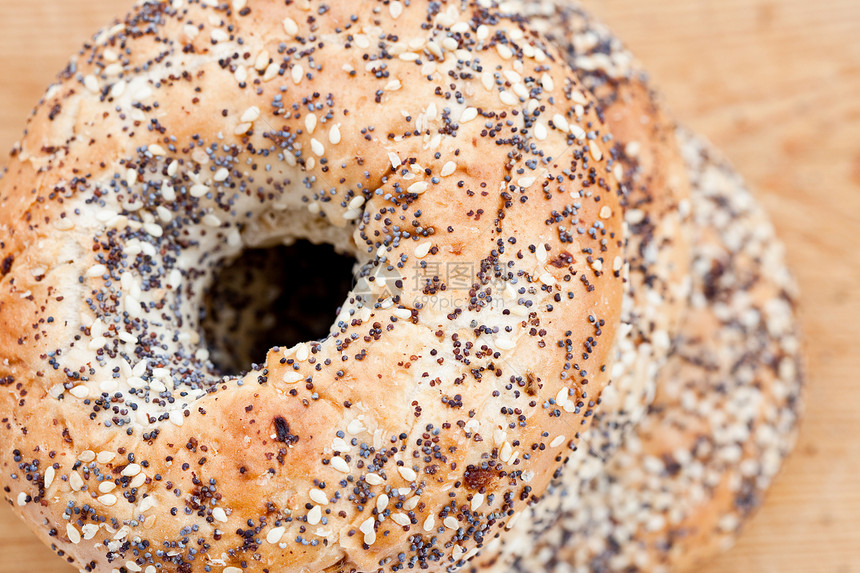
(191, 130)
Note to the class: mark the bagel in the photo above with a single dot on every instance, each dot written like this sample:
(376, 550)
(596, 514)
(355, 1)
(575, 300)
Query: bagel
(725, 414)
(606, 508)
(408, 135)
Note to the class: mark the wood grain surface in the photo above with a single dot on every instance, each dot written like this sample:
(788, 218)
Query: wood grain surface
(776, 85)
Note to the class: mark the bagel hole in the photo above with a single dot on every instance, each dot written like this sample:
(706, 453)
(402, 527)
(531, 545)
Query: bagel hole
(278, 296)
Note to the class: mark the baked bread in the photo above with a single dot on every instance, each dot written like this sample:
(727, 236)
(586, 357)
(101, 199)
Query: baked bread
(509, 139)
(409, 136)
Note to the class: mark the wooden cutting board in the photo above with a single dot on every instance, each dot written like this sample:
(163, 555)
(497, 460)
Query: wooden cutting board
(776, 85)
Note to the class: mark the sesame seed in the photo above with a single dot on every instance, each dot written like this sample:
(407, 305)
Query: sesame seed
(73, 534)
(271, 72)
(334, 134)
(310, 122)
(547, 279)
(76, 482)
(505, 452)
(176, 417)
(540, 131)
(559, 440)
(106, 487)
(103, 457)
(157, 150)
(521, 90)
(487, 80)
(381, 503)
(89, 530)
(262, 61)
(468, 115)
(366, 525)
(366, 528)
(241, 74)
(211, 220)
(449, 168)
(396, 9)
(297, 73)
(318, 496)
(291, 377)
(131, 470)
(401, 519)
(418, 187)
(546, 82)
(429, 523)
(218, 514)
(302, 352)
(340, 464)
(435, 49)
(504, 51)
(394, 159)
(317, 147)
(374, 479)
(251, 114)
(362, 41)
(422, 249)
(403, 313)
(407, 473)
(49, 476)
(356, 427)
(82, 391)
(605, 212)
(108, 499)
(275, 535)
(451, 522)
(507, 97)
(153, 229)
(561, 122)
(477, 501)
(315, 515)
(118, 89)
(290, 26)
(221, 175)
(91, 83)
